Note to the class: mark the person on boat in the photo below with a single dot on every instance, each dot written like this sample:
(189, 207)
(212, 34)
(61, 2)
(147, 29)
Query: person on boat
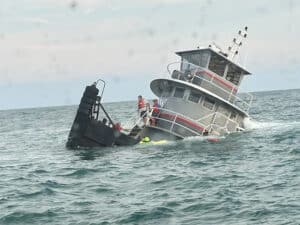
(142, 109)
(156, 106)
(104, 121)
(118, 127)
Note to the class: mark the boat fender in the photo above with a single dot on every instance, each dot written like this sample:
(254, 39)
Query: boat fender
(213, 139)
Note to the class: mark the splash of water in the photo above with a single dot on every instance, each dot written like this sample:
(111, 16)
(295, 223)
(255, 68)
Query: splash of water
(251, 124)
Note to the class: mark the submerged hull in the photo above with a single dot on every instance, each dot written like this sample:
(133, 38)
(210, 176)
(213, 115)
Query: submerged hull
(156, 134)
(96, 134)
(88, 131)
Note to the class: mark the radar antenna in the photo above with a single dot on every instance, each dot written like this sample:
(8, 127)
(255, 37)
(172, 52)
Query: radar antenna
(233, 49)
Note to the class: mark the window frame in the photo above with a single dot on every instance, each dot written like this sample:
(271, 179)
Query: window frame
(175, 92)
(205, 99)
(233, 75)
(219, 61)
(233, 115)
(193, 92)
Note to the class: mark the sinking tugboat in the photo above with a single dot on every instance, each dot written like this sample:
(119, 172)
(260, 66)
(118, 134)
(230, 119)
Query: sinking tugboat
(199, 99)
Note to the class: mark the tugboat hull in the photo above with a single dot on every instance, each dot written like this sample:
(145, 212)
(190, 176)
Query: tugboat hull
(156, 134)
(88, 131)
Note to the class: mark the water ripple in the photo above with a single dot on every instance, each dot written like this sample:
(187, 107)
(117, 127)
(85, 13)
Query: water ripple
(246, 178)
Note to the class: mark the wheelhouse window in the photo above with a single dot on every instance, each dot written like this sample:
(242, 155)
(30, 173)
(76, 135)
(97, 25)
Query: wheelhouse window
(204, 56)
(209, 103)
(166, 93)
(187, 66)
(192, 60)
(233, 115)
(233, 74)
(194, 97)
(179, 92)
(217, 64)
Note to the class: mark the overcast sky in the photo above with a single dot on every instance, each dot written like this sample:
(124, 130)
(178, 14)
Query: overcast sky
(50, 49)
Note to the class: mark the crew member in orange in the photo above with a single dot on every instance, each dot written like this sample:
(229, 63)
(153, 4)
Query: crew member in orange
(118, 127)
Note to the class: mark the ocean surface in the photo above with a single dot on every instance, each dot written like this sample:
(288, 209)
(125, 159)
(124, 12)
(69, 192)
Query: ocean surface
(247, 178)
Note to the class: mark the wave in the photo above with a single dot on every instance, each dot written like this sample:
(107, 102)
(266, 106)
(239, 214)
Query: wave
(80, 172)
(210, 138)
(160, 212)
(22, 217)
(44, 191)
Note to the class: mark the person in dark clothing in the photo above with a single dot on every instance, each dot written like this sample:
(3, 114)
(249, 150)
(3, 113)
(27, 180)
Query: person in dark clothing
(155, 112)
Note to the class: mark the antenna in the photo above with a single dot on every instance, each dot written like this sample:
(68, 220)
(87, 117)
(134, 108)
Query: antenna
(237, 42)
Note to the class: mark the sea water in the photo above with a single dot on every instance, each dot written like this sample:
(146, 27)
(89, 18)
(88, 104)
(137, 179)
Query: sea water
(251, 177)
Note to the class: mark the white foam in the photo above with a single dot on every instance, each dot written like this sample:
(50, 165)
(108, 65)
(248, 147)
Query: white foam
(202, 138)
(251, 124)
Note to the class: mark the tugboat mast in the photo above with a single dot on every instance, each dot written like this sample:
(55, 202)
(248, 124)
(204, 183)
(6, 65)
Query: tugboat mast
(233, 49)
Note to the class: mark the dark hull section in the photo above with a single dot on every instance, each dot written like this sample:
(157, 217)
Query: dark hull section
(90, 134)
(88, 131)
(97, 134)
(125, 140)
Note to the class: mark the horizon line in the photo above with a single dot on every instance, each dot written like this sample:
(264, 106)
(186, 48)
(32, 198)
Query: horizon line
(55, 106)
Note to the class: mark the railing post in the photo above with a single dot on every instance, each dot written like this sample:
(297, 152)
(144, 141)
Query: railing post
(226, 124)
(213, 120)
(173, 122)
(230, 94)
(150, 115)
(211, 78)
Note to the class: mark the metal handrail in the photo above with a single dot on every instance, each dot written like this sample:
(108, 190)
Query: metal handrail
(178, 124)
(176, 114)
(227, 118)
(207, 116)
(225, 127)
(181, 115)
(198, 69)
(103, 86)
(230, 93)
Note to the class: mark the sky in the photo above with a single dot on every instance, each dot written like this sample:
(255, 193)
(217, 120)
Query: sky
(51, 49)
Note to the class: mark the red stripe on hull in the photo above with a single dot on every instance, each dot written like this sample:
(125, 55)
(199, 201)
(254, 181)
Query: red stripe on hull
(181, 119)
(220, 80)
